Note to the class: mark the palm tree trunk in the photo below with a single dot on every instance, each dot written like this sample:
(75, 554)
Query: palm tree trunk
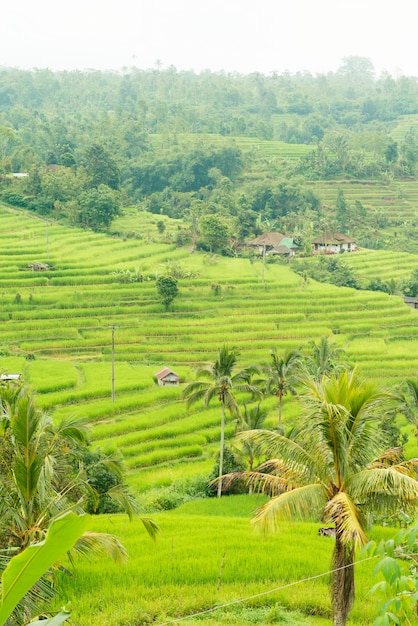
(280, 402)
(343, 580)
(221, 451)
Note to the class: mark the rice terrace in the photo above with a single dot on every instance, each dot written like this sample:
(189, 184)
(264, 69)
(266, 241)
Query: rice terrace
(155, 355)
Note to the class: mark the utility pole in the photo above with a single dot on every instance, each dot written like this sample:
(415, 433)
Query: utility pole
(113, 362)
(264, 263)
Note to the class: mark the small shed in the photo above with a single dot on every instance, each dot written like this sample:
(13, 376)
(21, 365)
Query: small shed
(166, 377)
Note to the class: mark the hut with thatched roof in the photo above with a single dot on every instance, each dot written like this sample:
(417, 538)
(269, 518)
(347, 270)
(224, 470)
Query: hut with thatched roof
(274, 243)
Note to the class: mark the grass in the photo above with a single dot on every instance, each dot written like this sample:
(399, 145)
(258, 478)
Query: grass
(208, 555)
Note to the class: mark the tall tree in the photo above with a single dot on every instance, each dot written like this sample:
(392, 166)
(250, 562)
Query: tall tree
(221, 380)
(215, 232)
(282, 375)
(326, 358)
(99, 206)
(341, 210)
(101, 167)
(337, 467)
(251, 418)
(167, 287)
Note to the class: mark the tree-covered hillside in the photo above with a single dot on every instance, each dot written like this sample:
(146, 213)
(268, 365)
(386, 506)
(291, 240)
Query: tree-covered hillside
(253, 149)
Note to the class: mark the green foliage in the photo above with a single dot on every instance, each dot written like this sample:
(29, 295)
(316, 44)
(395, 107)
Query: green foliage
(398, 565)
(14, 198)
(231, 462)
(168, 290)
(101, 167)
(25, 569)
(329, 269)
(99, 206)
(410, 287)
(215, 233)
(177, 493)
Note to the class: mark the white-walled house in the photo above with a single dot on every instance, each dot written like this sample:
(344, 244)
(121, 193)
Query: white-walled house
(333, 243)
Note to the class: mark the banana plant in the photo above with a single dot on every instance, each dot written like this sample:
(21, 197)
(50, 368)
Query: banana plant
(26, 568)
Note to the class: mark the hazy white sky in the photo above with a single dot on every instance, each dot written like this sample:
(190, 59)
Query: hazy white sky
(231, 35)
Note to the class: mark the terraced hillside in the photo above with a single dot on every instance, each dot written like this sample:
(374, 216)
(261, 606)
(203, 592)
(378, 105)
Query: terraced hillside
(57, 330)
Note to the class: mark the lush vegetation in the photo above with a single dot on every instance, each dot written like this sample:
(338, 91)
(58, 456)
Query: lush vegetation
(305, 152)
(207, 556)
(122, 253)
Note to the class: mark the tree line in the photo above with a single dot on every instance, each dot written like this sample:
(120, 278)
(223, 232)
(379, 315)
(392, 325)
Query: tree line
(92, 142)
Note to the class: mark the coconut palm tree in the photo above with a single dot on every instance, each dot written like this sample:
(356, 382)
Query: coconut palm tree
(409, 406)
(335, 466)
(220, 380)
(282, 375)
(42, 474)
(326, 358)
(252, 418)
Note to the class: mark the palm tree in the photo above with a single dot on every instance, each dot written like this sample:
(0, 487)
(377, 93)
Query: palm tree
(220, 381)
(336, 467)
(251, 419)
(282, 376)
(42, 477)
(42, 474)
(325, 359)
(409, 405)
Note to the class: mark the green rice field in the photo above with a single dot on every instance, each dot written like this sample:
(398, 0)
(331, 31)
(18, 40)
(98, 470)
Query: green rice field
(209, 566)
(57, 331)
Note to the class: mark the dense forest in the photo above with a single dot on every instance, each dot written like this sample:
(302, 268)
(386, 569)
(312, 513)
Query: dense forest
(195, 146)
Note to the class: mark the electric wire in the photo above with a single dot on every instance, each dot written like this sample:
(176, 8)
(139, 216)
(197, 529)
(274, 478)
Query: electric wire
(262, 593)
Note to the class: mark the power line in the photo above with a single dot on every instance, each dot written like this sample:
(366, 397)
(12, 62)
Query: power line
(264, 593)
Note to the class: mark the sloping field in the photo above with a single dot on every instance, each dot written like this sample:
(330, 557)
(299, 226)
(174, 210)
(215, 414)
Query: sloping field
(256, 146)
(397, 200)
(384, 264)
(56, 330)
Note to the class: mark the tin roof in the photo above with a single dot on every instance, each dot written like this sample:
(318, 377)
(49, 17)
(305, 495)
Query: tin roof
(164, 372)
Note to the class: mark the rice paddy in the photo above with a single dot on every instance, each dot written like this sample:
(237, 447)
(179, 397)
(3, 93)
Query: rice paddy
(208, 557)
(57, 331)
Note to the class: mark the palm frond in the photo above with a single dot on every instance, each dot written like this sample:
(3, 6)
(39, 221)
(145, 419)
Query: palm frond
(342, 511)
(394, 483)
(74, 429)
(275, 445)
(299, 504)
(258, 482)
(151, 527)
(121, 496)
(95, 545)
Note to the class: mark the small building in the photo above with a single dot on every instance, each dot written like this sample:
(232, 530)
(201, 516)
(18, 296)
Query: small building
(267, 241)
(333, 243)
(166, 377)
(286, 248)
